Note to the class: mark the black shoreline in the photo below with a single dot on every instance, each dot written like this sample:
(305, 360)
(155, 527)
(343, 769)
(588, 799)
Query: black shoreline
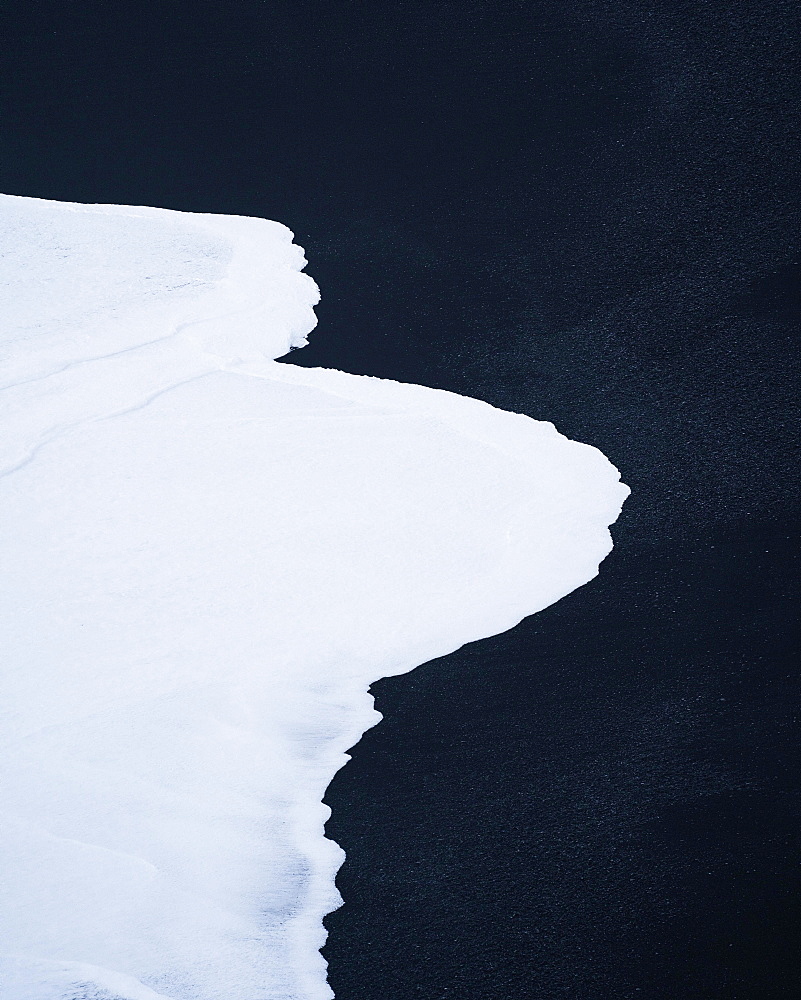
(587, 215)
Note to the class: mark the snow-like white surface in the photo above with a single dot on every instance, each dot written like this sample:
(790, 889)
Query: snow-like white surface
(207, 557)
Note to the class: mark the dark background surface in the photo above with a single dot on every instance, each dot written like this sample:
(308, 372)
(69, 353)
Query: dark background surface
(587, 215)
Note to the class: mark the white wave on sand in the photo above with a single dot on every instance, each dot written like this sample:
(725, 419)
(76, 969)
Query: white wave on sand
(208, 557)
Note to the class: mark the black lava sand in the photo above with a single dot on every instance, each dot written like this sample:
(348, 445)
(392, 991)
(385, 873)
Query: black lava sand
(584, 212)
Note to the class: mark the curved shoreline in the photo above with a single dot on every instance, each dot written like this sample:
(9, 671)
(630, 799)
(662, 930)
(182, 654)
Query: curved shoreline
(213, 555)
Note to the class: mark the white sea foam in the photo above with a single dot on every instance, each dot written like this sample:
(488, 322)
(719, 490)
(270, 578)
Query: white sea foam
(208, 556)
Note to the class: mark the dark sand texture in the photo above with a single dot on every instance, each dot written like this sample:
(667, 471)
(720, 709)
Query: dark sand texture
(585, 212)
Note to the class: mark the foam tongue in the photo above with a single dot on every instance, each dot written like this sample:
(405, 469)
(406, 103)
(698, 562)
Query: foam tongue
(208, 558)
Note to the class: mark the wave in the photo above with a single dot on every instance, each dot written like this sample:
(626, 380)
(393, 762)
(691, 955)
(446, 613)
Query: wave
(209, 557)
